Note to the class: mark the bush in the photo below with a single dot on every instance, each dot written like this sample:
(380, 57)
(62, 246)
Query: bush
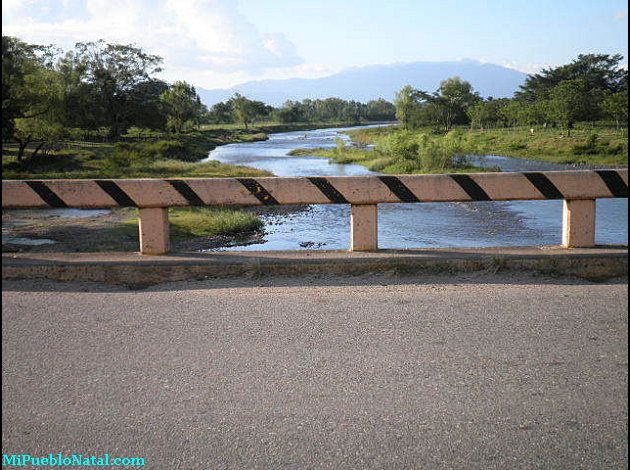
(412, 152)
(590, 147)
(402, 145)
(127, 154)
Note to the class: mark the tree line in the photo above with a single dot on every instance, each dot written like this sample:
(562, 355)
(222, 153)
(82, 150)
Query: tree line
(101, 90)
(591, 88)
(240, 109)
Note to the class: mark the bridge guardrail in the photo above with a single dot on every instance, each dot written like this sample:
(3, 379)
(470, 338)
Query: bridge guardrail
(579, 190)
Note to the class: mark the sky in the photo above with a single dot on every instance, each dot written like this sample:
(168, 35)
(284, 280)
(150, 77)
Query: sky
(221, 43)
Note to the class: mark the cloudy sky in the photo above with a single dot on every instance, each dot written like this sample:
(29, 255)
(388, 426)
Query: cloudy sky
(220, 43)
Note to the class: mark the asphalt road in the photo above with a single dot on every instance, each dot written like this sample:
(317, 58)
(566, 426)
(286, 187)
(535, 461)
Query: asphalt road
(451, 372)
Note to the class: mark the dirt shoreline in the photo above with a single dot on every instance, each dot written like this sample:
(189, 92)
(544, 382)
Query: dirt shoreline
(49, 231)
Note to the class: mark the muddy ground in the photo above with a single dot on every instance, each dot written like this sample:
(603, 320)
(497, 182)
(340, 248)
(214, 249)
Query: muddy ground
(70, 230)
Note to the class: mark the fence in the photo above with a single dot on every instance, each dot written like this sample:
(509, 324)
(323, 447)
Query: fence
(578, 189)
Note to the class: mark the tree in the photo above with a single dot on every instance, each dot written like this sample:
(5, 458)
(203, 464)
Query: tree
(183, 106)
(615, 106)
(407, 101)
(246, 111)
(107, 77)
(451, 101)
(44, 132)
(222, 113)
(148, 110)
(569, 101)
(599, 71)
(291, 111)
(380, 110)
(30, 87)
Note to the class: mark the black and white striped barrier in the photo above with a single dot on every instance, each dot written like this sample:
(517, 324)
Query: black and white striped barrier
(578, 189)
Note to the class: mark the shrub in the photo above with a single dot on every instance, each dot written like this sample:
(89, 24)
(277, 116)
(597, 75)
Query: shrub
(127, 154)
(403, 145)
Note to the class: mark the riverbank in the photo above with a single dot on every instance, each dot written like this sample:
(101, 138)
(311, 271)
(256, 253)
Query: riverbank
(588, 144)
(391, 150)
(149, 155)
(74, 231)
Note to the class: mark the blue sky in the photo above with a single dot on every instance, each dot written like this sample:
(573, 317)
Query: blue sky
(220, 43)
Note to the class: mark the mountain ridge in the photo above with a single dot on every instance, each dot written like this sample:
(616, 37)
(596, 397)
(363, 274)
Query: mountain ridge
(369, 82)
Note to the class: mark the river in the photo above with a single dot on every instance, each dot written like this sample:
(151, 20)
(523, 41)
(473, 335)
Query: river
(478, 224)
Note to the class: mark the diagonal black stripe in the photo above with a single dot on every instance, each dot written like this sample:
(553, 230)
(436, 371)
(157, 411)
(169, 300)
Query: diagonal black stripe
(615, 182)
(543, 185)
(186, 192)
(328, 190)
(117, 194)
(473, 190)
(257, 190)
(400, 190)
(47, 194)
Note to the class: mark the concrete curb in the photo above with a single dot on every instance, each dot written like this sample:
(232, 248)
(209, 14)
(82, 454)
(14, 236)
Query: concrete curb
(136, 271)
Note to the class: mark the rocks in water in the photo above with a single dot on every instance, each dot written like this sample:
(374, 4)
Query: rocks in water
(312, 244)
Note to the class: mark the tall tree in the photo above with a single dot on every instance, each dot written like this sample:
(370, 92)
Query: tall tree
(109, 75)
(246, 110)
(615, 106)
(30, 86)
(222, 113)
(407, 101)
(599, 71)
(570, 101)
(183, 106)
(452, 99)
(380, 110)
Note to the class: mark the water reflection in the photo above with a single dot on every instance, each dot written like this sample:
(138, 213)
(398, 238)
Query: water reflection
(480, 224)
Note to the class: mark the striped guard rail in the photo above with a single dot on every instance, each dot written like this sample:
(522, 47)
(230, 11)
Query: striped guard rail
(359, 190)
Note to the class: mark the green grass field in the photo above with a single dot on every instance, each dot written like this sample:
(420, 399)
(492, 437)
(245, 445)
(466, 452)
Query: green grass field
(197, 222)
(589, 144)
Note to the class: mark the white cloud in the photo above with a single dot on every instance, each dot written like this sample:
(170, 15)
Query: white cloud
(209, 40)
(526, 68)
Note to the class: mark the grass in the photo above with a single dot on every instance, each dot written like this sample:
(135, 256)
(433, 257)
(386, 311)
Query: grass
(585, 146)
(146, 154)
(594, 144)
(201, 222)
(159, 156)
(87, 164)
(398, 152)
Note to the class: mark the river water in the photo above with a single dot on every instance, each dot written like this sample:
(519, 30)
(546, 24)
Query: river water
(478, 224)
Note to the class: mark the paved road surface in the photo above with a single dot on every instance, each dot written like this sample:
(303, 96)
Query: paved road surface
(486, 372)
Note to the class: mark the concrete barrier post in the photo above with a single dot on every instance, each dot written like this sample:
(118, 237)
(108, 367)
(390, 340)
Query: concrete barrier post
(154, 231)
(578, 223)
(364, 227)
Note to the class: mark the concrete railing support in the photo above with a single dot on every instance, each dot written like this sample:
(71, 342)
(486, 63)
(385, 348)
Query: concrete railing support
(578, 223)
(154, 231)
(364, 227)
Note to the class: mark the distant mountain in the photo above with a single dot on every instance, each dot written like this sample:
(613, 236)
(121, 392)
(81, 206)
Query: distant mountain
(376, 81)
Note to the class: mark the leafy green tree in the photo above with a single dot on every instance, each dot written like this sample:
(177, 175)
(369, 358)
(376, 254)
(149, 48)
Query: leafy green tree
(380, 110)
(407, 102)
(451, 100)
(615, 106)
(222, 113)
(599, 71)
(183, 107)
(30, 87)
(107, 76)
(148, 110)
(570, 101)
(246, 111)
(44, 133)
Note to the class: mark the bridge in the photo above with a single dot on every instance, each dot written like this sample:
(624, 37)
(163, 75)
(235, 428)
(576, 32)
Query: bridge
(153, 197)
(291, 360)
